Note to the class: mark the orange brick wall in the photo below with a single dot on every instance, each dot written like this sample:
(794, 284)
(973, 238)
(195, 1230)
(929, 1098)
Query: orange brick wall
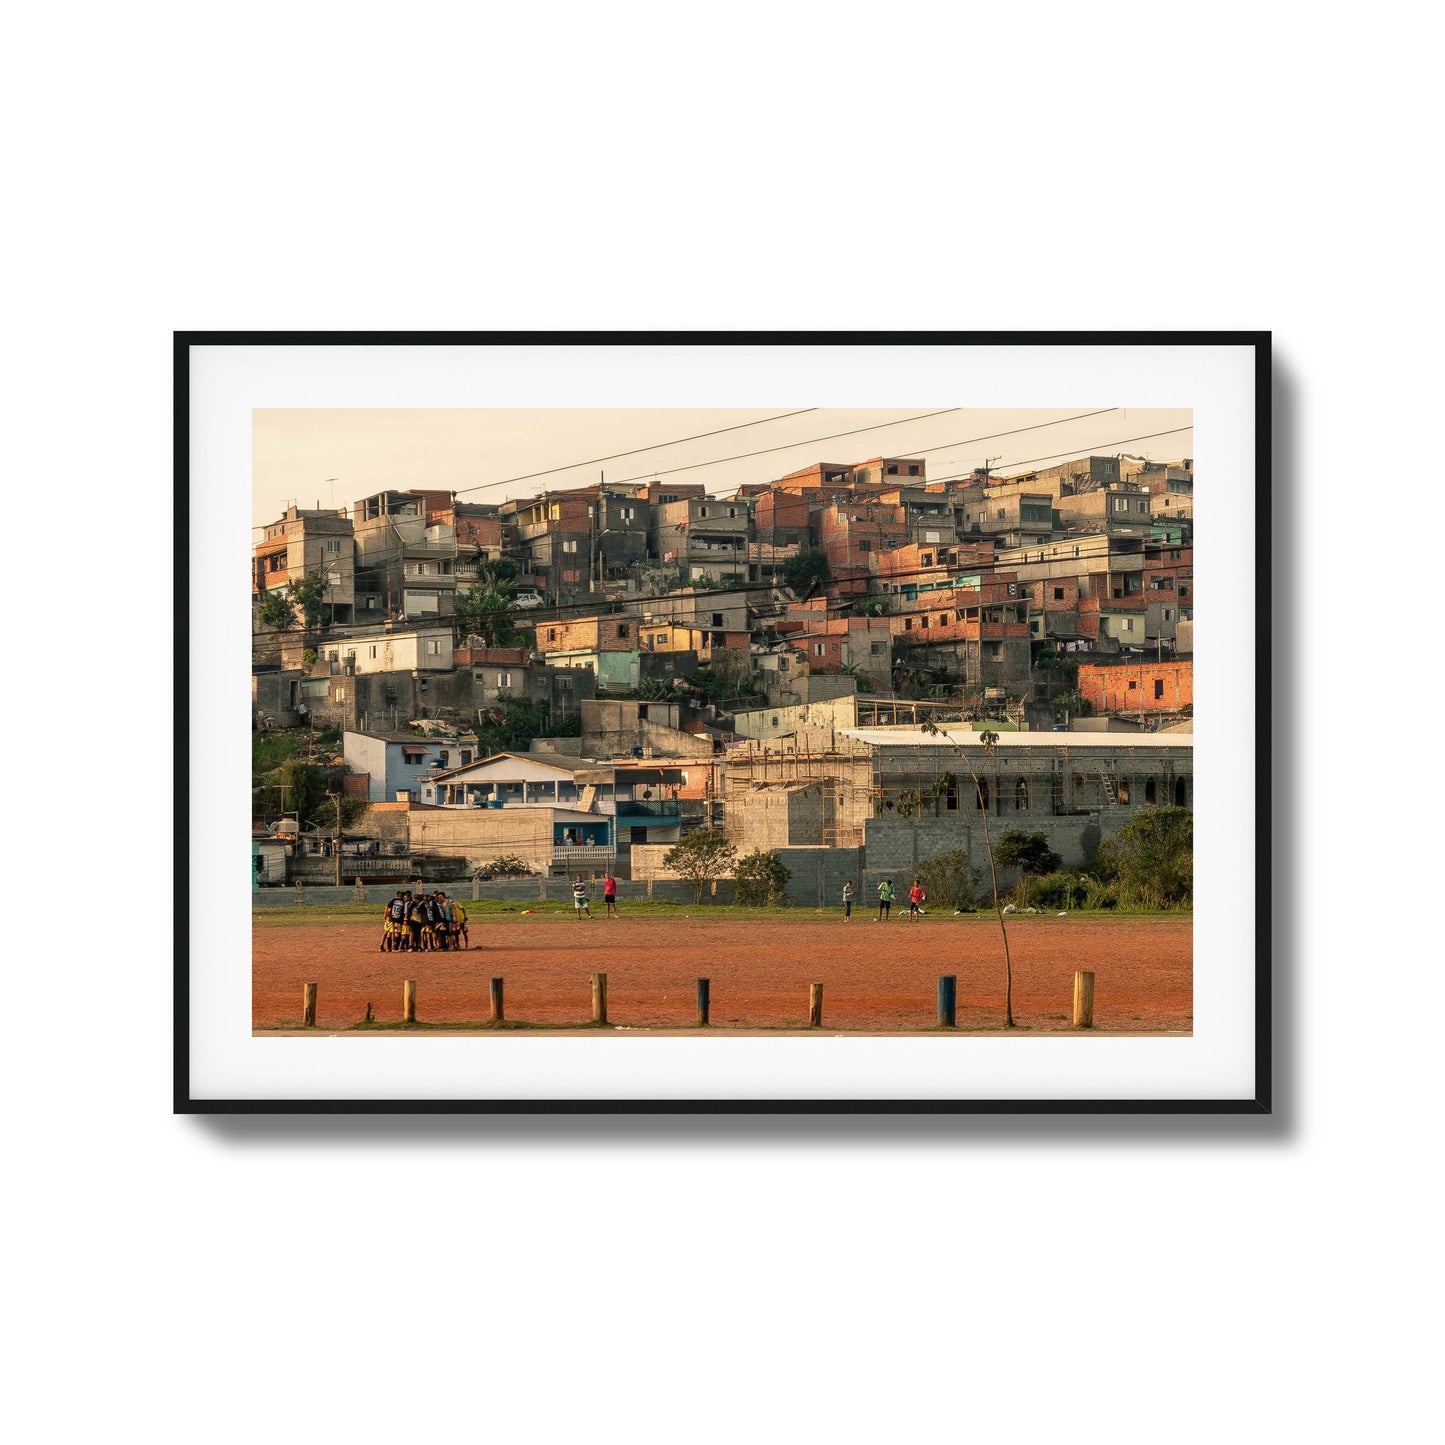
(1131, 688)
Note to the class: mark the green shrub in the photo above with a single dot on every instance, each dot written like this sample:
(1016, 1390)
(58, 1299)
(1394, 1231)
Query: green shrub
(762, 879)
(1154, 858)
(507, 866)
(949, 880)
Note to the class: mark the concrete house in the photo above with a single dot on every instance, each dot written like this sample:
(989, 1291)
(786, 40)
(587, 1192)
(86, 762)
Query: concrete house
(304, 543)
(397, 763)
(405, 560)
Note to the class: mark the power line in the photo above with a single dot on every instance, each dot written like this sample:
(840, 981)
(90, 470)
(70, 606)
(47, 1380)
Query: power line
(591, 608)
(813, 441)
(917, 451)
(1073, 451)
(635, 451)
(594, 461)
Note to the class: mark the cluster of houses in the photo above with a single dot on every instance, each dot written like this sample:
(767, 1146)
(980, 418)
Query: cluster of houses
(688, 685)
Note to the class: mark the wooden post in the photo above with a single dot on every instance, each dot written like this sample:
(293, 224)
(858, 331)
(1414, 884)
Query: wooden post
(649, 890)
(1083, 1000)
(497, 1013)
(947, 999)
(815, 1005)
(542, 888)
(704, 1000)
(599, 998)
(308, 1007)
(476, 886)
(359, 893)
(298, 890)
(408, 1001)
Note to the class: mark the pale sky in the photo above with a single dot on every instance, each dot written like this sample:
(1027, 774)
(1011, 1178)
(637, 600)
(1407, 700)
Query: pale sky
(296, 454)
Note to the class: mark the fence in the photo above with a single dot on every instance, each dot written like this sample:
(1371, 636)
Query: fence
(946, 996)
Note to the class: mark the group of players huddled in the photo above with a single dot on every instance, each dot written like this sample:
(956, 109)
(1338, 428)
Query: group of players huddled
(421, 922)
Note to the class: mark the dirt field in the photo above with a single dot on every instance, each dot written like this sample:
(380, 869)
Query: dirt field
(877, 977)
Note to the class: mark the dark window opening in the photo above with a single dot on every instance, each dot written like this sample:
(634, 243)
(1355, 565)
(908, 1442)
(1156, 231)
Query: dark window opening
(1151, 792)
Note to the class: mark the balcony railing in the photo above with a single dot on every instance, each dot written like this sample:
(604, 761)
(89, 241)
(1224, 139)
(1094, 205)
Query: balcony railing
(583, 853)
(641, 808)
(316, 867)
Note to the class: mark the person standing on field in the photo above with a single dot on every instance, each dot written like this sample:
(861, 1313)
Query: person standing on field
(848, 901)
(915, 900)
(885, 899)
(580, 904)
(609, 894)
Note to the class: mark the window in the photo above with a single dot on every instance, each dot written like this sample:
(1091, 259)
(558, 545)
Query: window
(1158, 687)
(1144, 506)
(1021, 796)
(1132, 686)
(621, 630)
(570, 545)
(373, 651)
(1058, 594)
(443, 757)
(333, 544)
(1127, 625)
(817, 649)
(702, 511)
(891, 470)
(1168, 614)
(908, 624)
(912, 471)
(927, 559)
(433, 647)
(1151, 793)
(717, 619)
(551, 634)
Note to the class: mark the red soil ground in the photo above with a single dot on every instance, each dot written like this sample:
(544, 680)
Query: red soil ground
(876, 977)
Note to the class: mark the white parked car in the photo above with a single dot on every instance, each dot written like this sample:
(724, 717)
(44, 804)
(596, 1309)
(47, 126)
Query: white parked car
(528, 599)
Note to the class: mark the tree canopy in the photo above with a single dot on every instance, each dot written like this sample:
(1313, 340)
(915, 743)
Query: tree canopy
(810, 564)
(702, 857)
(761, 878)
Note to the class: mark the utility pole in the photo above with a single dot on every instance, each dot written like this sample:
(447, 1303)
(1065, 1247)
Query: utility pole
(336, 846)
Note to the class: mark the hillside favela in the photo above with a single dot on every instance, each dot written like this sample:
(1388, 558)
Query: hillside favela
(813, 683)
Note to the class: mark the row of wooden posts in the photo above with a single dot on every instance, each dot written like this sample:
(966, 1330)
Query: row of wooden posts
(947, 1001)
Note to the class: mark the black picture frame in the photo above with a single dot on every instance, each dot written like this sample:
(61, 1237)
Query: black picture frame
(1260, 1100)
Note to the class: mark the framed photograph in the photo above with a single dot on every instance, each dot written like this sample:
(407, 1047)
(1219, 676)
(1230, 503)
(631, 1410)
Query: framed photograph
(723, 722)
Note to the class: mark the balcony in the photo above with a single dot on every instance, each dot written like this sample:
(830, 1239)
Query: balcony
(577, 853)
(647, 814)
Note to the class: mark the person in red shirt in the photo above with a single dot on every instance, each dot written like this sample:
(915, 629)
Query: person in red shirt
(609, 894)
(915, 900)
